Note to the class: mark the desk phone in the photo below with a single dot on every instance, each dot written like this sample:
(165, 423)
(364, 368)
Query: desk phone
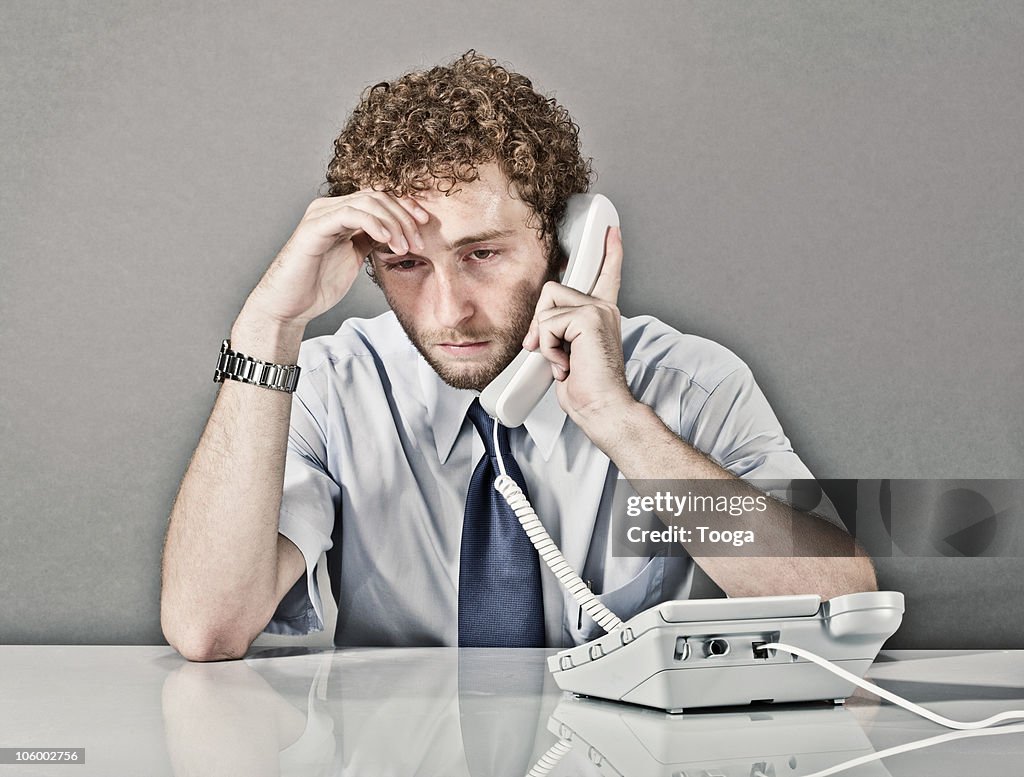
(699, 653)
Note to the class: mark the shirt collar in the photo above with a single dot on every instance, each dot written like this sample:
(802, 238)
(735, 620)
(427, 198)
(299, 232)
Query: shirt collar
(446, 409)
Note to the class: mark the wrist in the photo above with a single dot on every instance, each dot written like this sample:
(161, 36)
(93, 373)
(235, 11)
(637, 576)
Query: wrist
(608, 423)
(266, 338)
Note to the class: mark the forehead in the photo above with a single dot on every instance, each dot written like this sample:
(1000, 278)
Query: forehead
(488, 201)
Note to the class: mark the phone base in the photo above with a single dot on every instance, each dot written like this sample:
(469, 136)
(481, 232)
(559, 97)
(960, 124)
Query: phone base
(707, 653)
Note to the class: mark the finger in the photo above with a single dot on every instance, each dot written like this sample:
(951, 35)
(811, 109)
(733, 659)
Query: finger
(530, 342)
(399, 218)
(568, 323)
(610, 279)
(405, 214)
(558, 329)
(553, 295)
(551, 336)
(388, 214)
(347, 218)
(323, 205)
(415, 210)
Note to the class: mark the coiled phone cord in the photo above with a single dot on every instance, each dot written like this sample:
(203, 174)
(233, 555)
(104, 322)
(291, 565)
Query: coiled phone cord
(548, 550)
(550, 759)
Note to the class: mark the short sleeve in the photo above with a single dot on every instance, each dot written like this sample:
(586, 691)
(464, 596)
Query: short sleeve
(738, 429)
(309, 505)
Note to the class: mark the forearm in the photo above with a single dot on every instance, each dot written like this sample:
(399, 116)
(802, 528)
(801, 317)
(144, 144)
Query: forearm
(220, 563)
(797, 552)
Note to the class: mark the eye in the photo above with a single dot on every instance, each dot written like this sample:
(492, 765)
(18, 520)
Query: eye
(403, 265)
(483, 253)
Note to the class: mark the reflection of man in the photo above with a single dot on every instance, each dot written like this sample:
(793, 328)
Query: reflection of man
(469, 712)
(449, 184)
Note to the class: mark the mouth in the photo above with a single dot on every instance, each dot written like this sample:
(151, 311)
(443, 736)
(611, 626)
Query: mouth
(465, 348)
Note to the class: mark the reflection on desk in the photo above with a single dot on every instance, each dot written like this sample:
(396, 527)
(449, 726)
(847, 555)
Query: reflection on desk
(622, 740)
(486, 713)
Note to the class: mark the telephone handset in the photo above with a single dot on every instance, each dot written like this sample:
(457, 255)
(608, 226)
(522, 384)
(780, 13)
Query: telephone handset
(513, 395)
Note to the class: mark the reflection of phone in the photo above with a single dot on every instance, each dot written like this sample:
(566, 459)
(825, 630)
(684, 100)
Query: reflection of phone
(770, 741)
(512, 395)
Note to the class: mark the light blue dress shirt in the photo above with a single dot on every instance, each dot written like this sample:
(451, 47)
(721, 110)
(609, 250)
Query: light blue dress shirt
(380, 455)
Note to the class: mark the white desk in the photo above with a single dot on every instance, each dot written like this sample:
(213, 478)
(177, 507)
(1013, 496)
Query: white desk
(443, 712)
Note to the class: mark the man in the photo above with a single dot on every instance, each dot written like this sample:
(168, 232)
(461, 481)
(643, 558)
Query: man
(449, 185)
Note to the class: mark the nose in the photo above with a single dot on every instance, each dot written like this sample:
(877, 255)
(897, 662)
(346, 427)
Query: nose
(453, 299)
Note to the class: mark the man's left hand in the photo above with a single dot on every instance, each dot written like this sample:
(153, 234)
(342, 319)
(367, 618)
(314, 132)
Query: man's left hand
(581, 336)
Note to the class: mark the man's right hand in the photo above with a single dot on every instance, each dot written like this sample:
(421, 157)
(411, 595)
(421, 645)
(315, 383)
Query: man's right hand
(322, 258)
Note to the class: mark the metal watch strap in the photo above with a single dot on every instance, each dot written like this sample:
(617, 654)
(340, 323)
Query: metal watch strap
(238, 366)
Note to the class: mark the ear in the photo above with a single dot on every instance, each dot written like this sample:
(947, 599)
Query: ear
(371, 269)
(558, 260)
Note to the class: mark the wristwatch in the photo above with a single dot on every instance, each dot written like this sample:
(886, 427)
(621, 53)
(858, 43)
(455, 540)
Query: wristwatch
(238, 366)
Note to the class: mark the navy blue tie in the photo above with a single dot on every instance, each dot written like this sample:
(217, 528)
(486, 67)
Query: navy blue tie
(500, 603)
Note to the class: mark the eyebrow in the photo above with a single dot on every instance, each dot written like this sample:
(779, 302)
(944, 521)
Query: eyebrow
(480, 237)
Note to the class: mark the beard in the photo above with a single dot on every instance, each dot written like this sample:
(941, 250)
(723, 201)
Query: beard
(506, 341)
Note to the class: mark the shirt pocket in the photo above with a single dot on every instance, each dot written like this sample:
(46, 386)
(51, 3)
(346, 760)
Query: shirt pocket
(642, 591)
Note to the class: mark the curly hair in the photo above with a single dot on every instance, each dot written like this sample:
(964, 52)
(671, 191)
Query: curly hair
(432, 128)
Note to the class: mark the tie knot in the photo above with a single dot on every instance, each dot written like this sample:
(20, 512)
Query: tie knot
(485, 428)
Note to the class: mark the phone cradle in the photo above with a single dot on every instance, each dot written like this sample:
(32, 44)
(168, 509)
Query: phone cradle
(685, 655)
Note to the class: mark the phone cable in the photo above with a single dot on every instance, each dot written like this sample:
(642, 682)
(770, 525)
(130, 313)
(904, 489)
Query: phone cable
(892, 697)
(907, 747)
(548, 550)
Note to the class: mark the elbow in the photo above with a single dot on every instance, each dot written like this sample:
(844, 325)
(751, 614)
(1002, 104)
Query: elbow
(869, 580)
(204, 647)
(196, 642)
(208, 633)
(863, 572)
(858, 575)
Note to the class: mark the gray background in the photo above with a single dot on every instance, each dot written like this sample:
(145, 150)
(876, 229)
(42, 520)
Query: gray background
(830, 189)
